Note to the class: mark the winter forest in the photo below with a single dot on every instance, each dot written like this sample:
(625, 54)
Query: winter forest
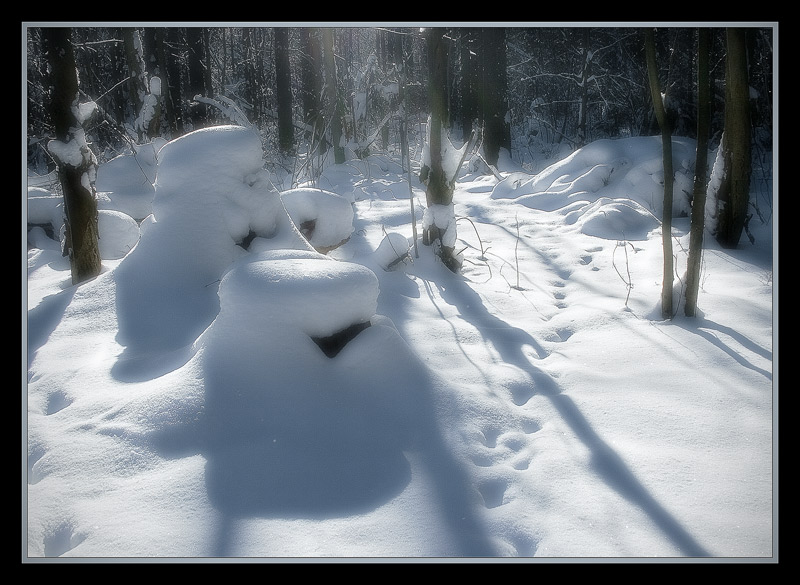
(414, 293)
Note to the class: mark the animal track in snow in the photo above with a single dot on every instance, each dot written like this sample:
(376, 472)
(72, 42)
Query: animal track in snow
(57, 401)
(493, 491)
(61, 539)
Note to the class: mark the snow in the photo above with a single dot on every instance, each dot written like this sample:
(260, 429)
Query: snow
(533, 406)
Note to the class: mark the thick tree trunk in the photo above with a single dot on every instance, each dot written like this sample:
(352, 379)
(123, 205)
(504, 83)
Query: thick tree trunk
(734, 192)
(283, 90)
(666, 141)
(197, 76)
(77, 166)
(494, 92)
(700, 175)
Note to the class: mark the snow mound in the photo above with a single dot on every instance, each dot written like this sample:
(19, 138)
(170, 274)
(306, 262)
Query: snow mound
(304, 290)
(125, 183)
(325, 218)
(118, 234)
(45, 208)
(628, 168)
(393, 249)
(615, 219)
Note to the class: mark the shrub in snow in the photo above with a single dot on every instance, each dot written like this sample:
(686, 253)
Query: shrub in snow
(393, 249)
(324, 218)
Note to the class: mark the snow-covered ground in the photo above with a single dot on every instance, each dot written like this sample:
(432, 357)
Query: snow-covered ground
(534, 405)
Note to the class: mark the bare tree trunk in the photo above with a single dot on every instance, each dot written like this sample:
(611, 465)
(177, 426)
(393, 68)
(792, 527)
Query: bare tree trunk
(494, 93)
(734, 192)
(440, 224)
(666, 141)
(311, 66)
(331, 90)
(77, 167)
(700, 180)
(283, 90)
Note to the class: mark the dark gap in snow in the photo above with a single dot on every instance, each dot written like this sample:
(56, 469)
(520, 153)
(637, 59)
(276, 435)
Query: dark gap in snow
(247, 240)
(331, 345)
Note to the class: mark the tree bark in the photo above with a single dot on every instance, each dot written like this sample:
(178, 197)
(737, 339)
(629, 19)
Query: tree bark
(283, 90)
(666, 141)
(734, 192)
(697, 229)
(440, 224)
(332, 93)
(197, 76)
(311, 65)
(494, 92)
(77, 166)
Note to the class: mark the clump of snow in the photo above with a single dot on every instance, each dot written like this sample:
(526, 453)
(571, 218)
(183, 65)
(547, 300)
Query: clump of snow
(621, 219)
(394, 248)
(331, 214)
(45, 208)
(443, 217)
(273, 291)
(126, 182)
(118, 234)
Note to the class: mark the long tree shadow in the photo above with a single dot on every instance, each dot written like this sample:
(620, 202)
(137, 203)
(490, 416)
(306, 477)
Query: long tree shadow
(705, 328)
(509, 342)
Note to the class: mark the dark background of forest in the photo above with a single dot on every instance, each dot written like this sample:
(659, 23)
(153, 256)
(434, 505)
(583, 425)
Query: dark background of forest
(562, 86)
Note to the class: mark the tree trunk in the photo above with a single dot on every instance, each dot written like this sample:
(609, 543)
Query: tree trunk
(197, 86)
(666, 141)
(312, 88)
(332, 93)
(283, 90)
(585, 74)
(494, 91)
(77, 166)
(439, 224)
(171, 81)
(700, 180)
(734, 192)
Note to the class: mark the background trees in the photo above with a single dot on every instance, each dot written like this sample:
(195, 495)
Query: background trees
(336, 92)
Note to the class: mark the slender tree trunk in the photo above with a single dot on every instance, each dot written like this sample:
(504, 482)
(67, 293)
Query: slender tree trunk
(585, 74)
(734, 192)
(666, 141)
(77, 166)
(700, 180)
(439, 223)
(312, 88)
(283, 90)
(137, 83)
(331, 90)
